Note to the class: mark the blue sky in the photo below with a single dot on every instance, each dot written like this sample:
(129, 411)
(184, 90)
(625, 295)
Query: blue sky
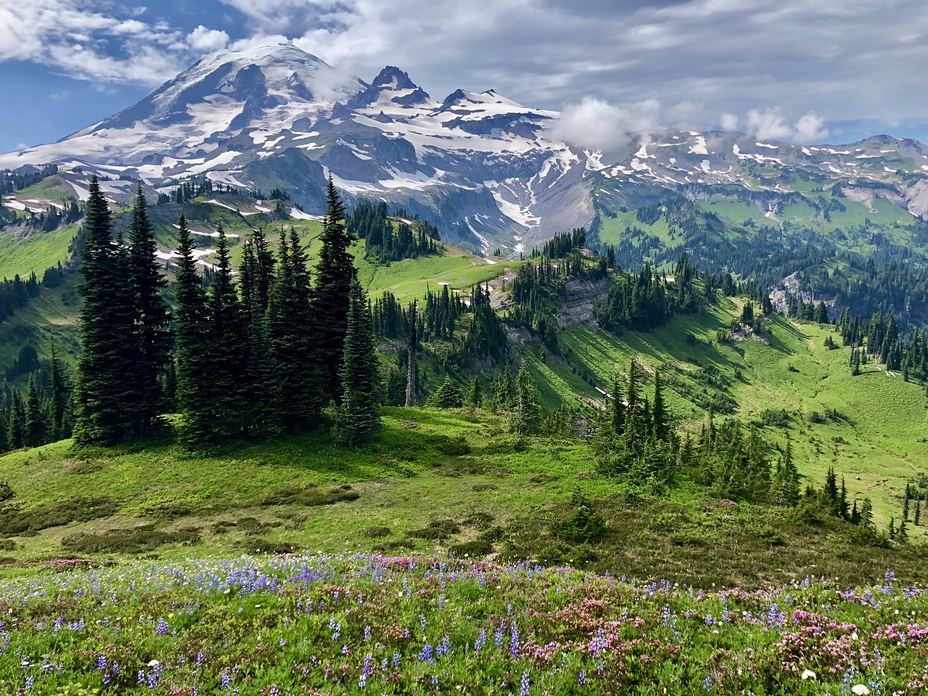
(796, 70)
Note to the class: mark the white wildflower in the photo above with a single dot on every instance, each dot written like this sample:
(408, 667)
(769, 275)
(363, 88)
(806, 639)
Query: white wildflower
(808, 674)
(860, 690)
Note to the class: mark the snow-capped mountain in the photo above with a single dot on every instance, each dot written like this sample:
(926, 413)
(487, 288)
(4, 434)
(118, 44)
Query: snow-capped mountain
(485, 169)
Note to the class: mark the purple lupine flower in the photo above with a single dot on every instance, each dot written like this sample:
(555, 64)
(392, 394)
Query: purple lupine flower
(426, 655)
(445, 646)
(481, 640)
(581, 678)
(396, 660)
(367, 634)
(525, 686)
(162, 628)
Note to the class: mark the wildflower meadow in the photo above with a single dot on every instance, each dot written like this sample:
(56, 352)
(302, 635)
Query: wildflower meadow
(313, 625)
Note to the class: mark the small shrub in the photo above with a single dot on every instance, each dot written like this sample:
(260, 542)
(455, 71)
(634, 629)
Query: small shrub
(583, 524)
(453, 447)
(774, 418)
(6, 493)
(436, 529)
(770, 536)
(310, 496)
(376, 532)
(7, 545)
(136, 540)
(267, 546)
(480, 520)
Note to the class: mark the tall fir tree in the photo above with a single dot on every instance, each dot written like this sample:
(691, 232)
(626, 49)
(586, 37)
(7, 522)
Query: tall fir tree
(526, 411)
(475, 395)
(412, 321)
(15, 429)
(192, 358)
(104, 390)
(262, 388)
(659, 422)
(152, 320)
(58, 399)
(358, 417)
(227, 350)
(34, 424)
(292, 335)
(334, 276)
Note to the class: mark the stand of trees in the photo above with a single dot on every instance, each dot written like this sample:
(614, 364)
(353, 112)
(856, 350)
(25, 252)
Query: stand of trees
(646, 301)
(880, 340)
(371, 222)
(251, 359)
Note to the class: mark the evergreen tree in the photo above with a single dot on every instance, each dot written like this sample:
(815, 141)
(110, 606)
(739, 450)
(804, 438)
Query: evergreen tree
(192, 359)
(15, 431)
(918, 510)
(292, 334)
(475, 396)
(227, 350)
(786, 479)
(821, 313)
(334, 276)
(34, 424)
(905, 504)
(358, 417)
(526, 413)
(866, 513)
(104, 392)
(58, 400)
(503, 389)
(449, 396)
(151, 318)
(617, 412)
(855, 514)
(843, 510)
(658, 413)
(413, 322)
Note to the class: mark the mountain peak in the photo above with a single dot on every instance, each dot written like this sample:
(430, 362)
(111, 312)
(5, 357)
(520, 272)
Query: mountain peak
(392, 86)
(392, 77)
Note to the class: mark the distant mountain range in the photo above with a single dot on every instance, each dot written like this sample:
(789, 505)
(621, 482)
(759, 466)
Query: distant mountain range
(487, 170)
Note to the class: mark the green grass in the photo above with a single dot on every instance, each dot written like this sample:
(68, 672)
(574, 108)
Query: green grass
(412, 278)
(34, 253)
(876, 441)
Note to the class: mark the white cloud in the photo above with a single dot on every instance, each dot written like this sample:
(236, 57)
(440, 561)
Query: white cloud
(809, 128)
(94, 40)
(768, 124)
(594, 124)
(684, 115)
(772, 124)
(729, 122)
(203, 39)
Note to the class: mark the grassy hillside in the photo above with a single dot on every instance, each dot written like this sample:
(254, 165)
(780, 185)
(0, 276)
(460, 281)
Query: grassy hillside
(435, 481)
(871, 428)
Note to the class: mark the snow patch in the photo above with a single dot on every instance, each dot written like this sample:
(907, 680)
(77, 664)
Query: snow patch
(699, 148)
